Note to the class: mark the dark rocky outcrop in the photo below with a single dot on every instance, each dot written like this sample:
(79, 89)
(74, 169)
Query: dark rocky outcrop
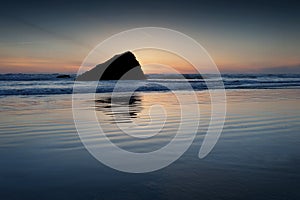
(63, 76)
(123, 66)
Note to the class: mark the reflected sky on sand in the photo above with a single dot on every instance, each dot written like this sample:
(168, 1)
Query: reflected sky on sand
(257, 156)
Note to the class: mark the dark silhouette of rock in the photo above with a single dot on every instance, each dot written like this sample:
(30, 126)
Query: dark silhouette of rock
(63, 76)
(123, 66)
(104, 104)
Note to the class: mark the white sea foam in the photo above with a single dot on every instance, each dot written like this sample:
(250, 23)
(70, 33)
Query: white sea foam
(49, 84)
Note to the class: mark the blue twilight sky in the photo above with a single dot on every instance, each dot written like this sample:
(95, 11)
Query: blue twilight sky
(241, 36)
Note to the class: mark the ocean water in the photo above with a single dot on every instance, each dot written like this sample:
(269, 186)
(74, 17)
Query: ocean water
(256, 157)
(48, 84)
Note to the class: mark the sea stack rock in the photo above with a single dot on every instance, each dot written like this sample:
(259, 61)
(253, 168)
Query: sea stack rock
(123, 66)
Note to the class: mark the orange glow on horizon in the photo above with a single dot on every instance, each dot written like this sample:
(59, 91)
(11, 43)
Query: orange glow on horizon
(153, 62)
(36, 65)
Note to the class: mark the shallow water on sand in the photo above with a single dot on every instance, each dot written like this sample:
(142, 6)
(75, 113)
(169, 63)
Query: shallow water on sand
(256, 157)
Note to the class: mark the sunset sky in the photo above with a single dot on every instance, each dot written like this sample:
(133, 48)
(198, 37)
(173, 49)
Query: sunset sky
(56, 36)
